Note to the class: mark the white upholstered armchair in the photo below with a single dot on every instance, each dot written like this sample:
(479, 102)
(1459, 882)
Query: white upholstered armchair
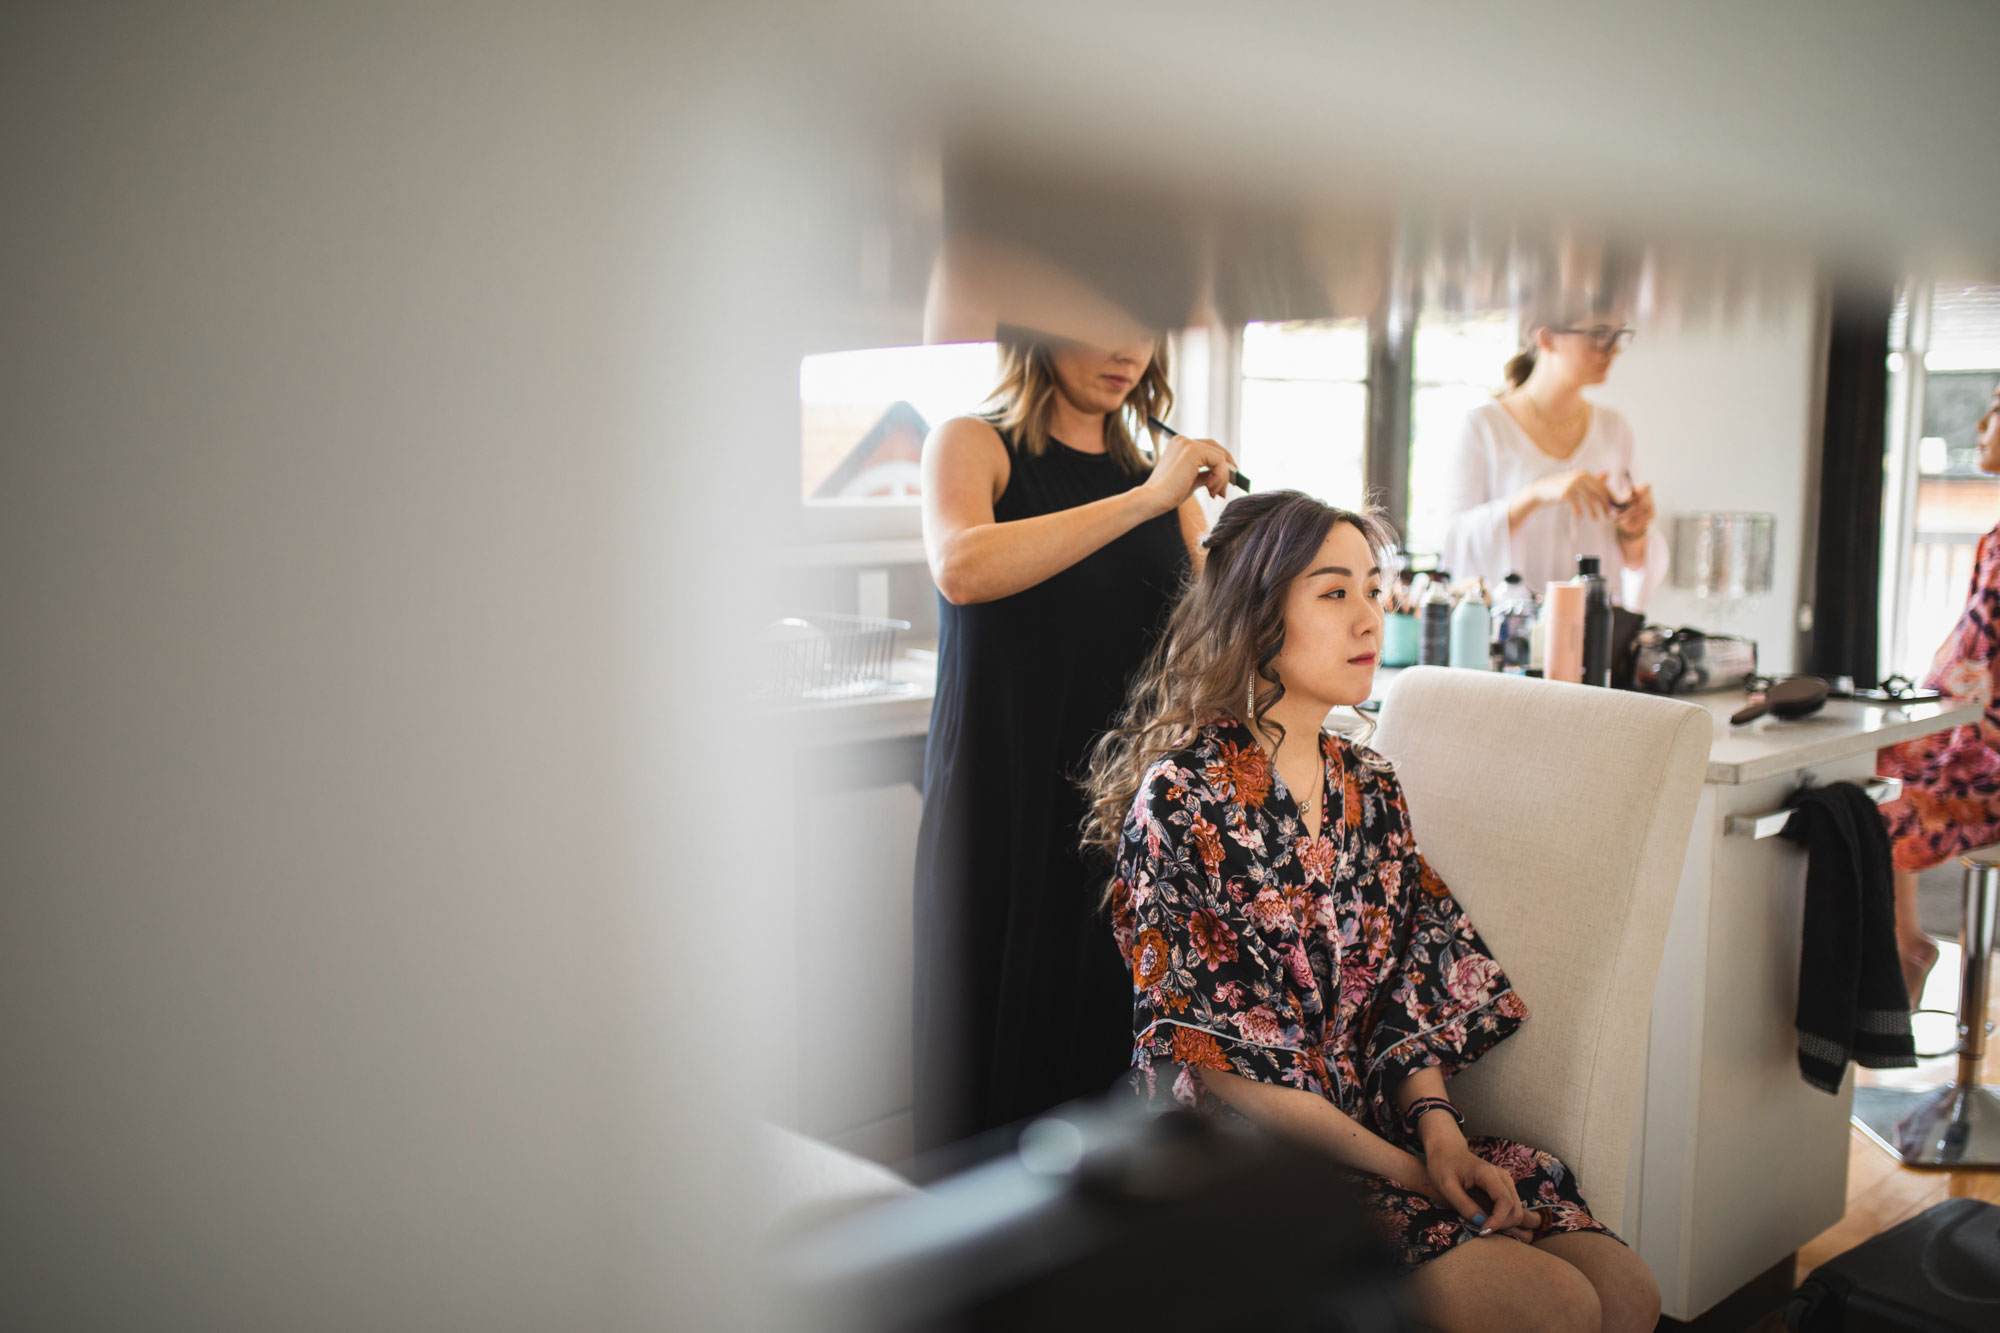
(1559, 815)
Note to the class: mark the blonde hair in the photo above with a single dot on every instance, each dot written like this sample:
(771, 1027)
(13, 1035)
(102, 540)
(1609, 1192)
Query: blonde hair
(1025, 399)
(1218, 650)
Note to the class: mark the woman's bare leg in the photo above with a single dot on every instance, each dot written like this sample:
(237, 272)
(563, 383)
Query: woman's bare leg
(1497, 1283)
(1627, 1295)
(1918, 953)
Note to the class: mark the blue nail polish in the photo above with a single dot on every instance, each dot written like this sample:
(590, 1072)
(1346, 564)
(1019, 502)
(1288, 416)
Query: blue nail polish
(1479, 1219)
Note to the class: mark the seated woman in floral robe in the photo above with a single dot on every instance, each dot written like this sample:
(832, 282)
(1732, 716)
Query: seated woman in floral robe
(1951, 779)
(1295, 961)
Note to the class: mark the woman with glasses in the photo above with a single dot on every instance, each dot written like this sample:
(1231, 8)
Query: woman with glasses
(1540, 475)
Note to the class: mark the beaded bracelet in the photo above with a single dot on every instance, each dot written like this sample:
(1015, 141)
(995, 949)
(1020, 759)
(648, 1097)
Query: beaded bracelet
(1422, 1105)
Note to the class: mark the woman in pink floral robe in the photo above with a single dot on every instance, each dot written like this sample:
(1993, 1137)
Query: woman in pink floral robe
(1951, 779)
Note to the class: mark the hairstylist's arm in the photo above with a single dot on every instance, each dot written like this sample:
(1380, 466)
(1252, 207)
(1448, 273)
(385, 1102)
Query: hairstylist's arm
(974, 558)
(1453, 1167)
(1194, 527)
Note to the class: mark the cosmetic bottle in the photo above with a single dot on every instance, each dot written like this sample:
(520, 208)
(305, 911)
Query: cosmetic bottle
(1562, 621)
(1514, 614)
(1472, 631)
(1434, 622)
(1596, 621)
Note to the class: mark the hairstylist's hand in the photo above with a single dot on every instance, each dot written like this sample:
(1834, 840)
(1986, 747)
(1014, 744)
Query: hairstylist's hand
(1586, 493)
(1637, 515)
(1177, 471)
(1457, 1174)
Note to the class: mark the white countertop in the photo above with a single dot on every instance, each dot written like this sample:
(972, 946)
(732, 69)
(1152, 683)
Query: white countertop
(1844, 727)
(902, 710)
(1749, 753)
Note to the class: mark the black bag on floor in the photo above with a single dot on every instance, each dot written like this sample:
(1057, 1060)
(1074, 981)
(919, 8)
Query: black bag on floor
(1939, 1272)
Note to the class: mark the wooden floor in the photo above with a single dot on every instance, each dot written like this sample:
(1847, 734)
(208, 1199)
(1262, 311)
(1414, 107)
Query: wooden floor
(1880, 1190)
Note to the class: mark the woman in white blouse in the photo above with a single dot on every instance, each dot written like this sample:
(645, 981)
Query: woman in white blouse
(1540, 476)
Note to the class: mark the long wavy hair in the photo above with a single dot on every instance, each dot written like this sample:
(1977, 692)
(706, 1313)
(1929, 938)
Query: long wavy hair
(1023, 402)
(1216, 657)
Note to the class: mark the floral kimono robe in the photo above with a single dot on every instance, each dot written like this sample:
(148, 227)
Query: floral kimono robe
(1951, 779)
(1338, 964)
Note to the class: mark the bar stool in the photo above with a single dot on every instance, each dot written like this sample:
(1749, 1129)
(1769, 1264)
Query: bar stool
(1957, 1125)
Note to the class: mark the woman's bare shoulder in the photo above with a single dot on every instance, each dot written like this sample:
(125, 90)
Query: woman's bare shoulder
(975, 435)
(967, 451)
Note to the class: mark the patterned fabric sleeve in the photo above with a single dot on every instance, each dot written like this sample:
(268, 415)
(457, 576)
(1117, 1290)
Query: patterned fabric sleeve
(1208, 986)
(1445, 1001)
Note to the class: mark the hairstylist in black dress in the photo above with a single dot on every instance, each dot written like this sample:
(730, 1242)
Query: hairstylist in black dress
(1057, 549)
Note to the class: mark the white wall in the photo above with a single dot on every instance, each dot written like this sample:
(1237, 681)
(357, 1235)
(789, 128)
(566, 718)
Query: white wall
(347, 976)
(1724, 417)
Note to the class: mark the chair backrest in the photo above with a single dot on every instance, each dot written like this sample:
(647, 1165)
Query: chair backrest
(1559, 816)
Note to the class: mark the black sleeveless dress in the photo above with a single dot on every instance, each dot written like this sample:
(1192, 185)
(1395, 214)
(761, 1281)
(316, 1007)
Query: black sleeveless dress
(1021, 1002)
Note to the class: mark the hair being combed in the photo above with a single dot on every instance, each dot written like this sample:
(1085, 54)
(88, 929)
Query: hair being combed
(1220, 643)
(1025, 399)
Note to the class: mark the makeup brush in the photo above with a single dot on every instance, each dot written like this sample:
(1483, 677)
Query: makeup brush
(1236, 479)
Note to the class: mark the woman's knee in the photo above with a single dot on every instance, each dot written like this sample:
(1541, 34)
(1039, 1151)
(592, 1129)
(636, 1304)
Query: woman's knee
(1629, 1296)
(1574, 1305)
(1554, 1299)
(1502, 1284)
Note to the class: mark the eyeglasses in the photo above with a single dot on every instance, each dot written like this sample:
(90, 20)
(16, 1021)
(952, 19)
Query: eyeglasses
(1604, 337)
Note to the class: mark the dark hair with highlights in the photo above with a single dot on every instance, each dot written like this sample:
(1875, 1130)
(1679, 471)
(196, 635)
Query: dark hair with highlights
(1221, 641)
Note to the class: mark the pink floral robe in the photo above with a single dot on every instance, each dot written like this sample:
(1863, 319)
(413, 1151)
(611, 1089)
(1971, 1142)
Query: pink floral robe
(1951, 779)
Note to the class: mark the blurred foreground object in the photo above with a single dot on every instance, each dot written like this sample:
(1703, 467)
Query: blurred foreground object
(1086, 1222)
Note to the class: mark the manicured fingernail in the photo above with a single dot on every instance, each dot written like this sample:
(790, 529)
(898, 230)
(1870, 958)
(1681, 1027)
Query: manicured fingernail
(1479, 1219)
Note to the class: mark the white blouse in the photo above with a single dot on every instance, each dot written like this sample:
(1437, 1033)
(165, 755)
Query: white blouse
(1492, 460)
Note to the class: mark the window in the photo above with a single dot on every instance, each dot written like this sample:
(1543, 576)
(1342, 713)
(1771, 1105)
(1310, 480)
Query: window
(1303, 413)
(864, 415)
(1943, 366)
(1460, 362)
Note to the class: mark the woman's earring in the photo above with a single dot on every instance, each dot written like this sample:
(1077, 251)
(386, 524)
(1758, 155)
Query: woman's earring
(1250, 706)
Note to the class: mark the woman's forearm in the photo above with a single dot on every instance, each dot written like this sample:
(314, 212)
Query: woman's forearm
(1436, 1130)
(993, 560)
(1313, 1120)
(1520, 505)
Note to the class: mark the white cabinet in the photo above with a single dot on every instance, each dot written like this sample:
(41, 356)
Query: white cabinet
(1742, 1160)
(855, 963)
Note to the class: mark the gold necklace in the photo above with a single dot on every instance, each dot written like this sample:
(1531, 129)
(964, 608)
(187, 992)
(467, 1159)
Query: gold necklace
(1312, 799)
(1557, 431)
